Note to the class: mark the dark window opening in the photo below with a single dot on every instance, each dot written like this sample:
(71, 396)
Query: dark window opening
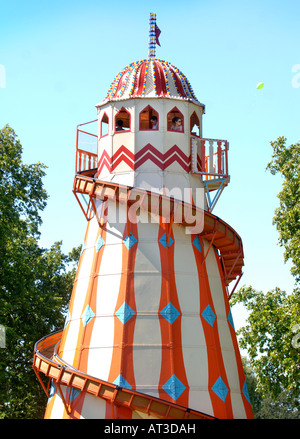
(122, 121)
(175, 121)
(148, 119)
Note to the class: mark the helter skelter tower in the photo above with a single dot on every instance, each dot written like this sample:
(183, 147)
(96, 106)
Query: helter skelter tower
(149, 331)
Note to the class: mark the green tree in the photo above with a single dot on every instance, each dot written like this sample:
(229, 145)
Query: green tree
(286, 162)
(35, 283)
(268, 339)
(269, 333)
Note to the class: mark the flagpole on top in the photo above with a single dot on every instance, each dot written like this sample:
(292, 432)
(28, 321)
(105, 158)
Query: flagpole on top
(154, 33)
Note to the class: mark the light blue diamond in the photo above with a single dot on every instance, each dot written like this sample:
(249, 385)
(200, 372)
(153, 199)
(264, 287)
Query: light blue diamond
(120, 381)
(163, 241)
(174, 387)
(170, 313)
(51, 390)
(220, 389)
(197, 243)
(209, 315)
(100, 243)
(245, 392)
(87, 315)
(230, 319)
(125, 313)
(129, 241)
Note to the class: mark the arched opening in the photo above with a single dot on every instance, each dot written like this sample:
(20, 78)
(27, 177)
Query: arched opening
(148, 119)
(122, 121)
(104, 125)
(195, 125)
(175, 121)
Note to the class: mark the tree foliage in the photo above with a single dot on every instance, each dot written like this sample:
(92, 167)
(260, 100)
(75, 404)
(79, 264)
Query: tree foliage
(274, 317)
(268, 339)
(35, 283)
(286, 161)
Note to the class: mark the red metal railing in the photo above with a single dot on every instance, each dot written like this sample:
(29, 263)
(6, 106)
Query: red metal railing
(86, 148)
(209, 157)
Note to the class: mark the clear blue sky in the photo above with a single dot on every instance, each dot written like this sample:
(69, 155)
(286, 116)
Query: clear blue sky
(61, 56)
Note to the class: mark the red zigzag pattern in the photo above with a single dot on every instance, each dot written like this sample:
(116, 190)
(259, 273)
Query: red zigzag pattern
(134, 161)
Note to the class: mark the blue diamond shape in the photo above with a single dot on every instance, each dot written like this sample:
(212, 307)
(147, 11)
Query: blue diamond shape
(87, 315)
(163, 241)
(51, 390)
(209, 315)
(245, 392)
(197, 243)
(230, 319)
(73, 393)
(120, 381)
(100, 243)
(125, 313)
(220, 389)
(170, 313)
(130, 240)
(174, 387)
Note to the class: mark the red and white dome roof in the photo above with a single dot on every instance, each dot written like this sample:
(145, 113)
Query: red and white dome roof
(150, 77)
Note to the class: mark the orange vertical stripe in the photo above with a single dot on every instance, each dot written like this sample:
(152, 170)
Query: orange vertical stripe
(172, 362)
(247, 405)
(122, 358)
(222, 409)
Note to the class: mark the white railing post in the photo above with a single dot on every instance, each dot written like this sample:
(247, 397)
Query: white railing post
(194, 154)
(211, 156)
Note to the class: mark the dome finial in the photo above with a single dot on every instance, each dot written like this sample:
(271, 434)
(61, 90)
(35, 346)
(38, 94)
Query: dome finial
(154, 33)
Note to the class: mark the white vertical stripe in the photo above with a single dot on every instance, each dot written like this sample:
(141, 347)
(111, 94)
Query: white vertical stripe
(93, 407)
(58, 407)
(193, 339)
(80, 291)
(147, 286)
(102, 340)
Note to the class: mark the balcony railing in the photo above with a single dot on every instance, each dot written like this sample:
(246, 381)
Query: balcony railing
(209, 158)
(86, 147)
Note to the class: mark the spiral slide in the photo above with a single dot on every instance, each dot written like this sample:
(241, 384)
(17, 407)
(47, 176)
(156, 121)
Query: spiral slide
(151, 363)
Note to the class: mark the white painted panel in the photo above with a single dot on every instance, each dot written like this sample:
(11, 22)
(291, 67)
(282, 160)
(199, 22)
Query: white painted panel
(109, 277)
(58, 407)
(71, 341)
(193, 339)
(147, 290)
(79, 292)
(93, 408)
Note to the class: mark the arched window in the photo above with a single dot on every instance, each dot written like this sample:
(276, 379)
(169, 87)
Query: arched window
(148, 119)
(175, 121)
(195, 125)
(122, 121)
(104, 125)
